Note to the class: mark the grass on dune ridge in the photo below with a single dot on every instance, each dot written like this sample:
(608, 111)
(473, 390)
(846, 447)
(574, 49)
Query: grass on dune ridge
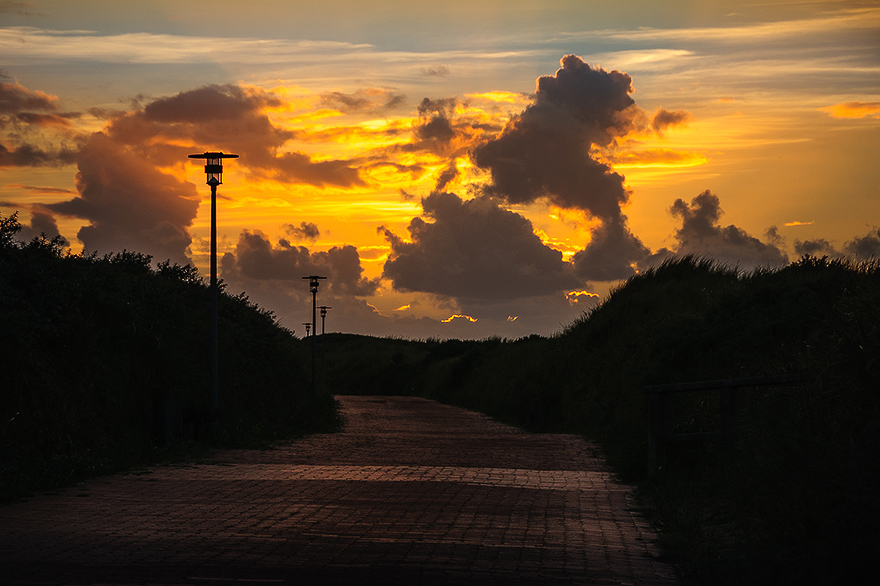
(792, 501)
(92, 347)
(105, 358)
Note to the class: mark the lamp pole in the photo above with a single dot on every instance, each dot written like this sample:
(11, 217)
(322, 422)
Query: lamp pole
(214, 171)
(314, 281)
(324, 309)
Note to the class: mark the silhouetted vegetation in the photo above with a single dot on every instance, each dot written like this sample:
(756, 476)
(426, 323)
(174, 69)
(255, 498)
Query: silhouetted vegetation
(792, 501)
(106, 365)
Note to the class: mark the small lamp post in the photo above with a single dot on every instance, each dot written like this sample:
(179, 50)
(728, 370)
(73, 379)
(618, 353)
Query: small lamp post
(324, 309)
(214, 171)
(308, 326)
(314, 281)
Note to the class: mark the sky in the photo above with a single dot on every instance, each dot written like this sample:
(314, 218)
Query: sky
(456, 169)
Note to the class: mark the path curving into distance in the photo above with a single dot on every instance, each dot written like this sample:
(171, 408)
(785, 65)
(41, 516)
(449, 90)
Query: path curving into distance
(410, 492)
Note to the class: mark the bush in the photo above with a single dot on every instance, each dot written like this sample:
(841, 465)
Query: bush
(106, 358)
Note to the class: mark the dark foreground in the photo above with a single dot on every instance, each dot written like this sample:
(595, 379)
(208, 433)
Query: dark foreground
(411, 492)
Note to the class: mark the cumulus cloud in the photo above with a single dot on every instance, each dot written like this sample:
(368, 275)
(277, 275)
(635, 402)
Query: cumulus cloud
(129, 203)
(257, 259)
(663, 119)
(42, 224)
(611, 255)
(227, 118)
(547, 152)
(816, 247)
(701, 234)
(474, 249)
(305, 231)
(860, 248)
(864, 247)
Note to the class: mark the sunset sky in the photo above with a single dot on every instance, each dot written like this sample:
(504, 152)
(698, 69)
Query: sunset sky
(456, 169)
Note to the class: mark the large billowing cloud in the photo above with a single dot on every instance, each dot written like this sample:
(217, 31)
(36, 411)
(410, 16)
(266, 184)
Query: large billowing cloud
(701, 234)
(547, 152)
(231, 119)
(130, 203)
(476, 250)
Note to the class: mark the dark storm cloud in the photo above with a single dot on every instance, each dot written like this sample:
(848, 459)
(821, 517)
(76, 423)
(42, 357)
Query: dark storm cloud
(256, 259)
(129, 203)
(305, 231)
(701, 234)
(16, 98)
(474, 249)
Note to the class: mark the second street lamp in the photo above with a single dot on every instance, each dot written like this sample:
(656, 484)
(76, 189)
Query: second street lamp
(314, 281)
(214, 171)
(324, 309)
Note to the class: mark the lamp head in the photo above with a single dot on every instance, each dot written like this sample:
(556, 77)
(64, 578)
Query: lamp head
(214, 165)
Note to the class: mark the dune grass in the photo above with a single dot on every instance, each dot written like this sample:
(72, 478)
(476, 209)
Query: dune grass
(105, 365)
(792, 501)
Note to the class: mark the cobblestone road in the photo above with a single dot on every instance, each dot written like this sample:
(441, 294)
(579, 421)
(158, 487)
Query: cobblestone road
(411, 492)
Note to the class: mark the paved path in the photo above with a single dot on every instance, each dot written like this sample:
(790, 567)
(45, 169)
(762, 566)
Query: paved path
(411, 492)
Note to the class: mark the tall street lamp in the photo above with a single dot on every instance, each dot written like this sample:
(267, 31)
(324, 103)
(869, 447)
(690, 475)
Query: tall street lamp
(214, 171)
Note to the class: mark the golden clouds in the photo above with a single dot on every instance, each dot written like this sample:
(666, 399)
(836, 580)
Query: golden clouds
(656, 158)
(459, 316)
(854, 110)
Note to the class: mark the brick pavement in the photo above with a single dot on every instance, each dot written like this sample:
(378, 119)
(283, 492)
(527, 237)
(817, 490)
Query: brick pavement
(410, 492)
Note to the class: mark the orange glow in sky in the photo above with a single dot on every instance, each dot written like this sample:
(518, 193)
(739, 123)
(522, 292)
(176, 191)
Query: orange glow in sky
(454, 177)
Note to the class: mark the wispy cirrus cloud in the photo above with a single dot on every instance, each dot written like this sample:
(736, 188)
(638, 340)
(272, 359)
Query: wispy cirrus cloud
(149, 48)
(859, 19)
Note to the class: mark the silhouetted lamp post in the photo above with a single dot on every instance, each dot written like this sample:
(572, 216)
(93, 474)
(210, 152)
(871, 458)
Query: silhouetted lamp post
(214, 171)
(314, 281)
(308, 326)
(324, 309)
